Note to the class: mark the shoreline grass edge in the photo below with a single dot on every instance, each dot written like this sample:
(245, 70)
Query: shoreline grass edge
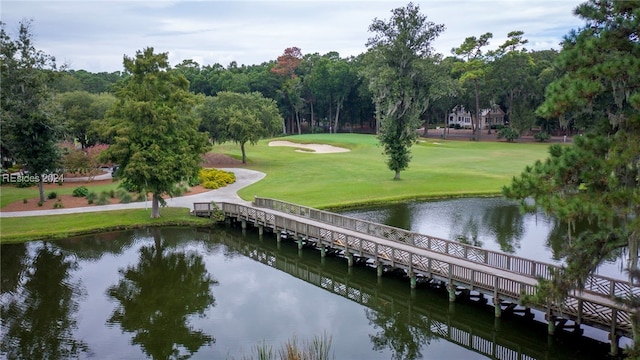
(53, 227)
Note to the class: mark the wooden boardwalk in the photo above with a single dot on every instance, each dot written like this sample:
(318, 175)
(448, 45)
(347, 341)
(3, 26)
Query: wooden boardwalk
(463, 268)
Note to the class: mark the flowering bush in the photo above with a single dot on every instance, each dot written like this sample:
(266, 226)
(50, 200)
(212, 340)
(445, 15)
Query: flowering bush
(215, 178)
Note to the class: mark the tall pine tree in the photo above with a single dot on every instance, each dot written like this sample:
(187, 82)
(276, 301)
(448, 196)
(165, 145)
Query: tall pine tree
(598, 178)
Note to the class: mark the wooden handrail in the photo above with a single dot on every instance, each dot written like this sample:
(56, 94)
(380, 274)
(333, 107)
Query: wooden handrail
(596, 284)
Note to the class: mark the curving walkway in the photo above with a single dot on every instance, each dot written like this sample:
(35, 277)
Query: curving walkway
(229, 193)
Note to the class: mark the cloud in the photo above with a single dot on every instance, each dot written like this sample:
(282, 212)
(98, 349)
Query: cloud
(94, 35)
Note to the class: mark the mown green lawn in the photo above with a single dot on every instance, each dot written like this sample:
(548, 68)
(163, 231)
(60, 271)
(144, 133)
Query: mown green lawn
(439, 168)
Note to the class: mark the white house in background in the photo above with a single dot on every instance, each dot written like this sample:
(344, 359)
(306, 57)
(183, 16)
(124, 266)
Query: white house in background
(492, 117)
(488, 117)
(460, 116)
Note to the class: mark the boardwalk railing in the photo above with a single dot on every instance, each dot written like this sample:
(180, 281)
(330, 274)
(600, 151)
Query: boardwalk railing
(450, 267)
(596, 284)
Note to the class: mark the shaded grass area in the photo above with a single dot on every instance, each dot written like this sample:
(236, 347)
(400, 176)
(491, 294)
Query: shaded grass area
(438, 169)
(21, 229)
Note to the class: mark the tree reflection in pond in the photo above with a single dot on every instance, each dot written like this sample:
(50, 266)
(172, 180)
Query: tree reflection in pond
(506, 223)
(396, 333)
(38, 315)
(158, 295)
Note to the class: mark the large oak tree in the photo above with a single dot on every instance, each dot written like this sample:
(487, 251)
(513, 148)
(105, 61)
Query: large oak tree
(155, 135)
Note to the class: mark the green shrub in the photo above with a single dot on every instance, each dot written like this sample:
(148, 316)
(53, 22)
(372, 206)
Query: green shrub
(508, 134)
(92, 196)
(24, 201)
(103, 199)
(542, 136)
(39, 203)
(58, 205)
(52, 195)
(24, 184)
(215, 178)
(80, 191)
(124, 196)
(180, 189)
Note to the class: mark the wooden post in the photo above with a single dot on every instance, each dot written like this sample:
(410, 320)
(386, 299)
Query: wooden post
(244, 224)
(613, 337)
(497, 309)
(260, 230)
(615, 344)
(350, 259)
(413, 280)
(551, 324)
(379, 269)
(299, 242)
(278, 236)
(452, 292)
(323, 251)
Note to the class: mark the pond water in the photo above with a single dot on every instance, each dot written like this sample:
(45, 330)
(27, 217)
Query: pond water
(218, 293)
(491, 223)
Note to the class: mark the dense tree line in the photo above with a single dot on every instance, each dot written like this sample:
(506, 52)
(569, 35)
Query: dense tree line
(329, 93)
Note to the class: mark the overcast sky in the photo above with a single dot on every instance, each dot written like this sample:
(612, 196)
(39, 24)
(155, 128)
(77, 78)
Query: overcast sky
(94, 35)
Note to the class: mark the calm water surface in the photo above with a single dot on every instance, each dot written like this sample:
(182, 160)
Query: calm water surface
(216, 294)
(491, 223)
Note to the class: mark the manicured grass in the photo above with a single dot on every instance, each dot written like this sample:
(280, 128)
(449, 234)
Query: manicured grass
(439, 168)
(62, 226)
(10, 194)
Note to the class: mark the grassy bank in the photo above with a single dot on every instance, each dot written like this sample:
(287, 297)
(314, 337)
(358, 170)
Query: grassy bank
(439, 168)
(62, 226)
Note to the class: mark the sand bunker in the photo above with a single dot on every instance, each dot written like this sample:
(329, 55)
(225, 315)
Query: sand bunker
(310, 148)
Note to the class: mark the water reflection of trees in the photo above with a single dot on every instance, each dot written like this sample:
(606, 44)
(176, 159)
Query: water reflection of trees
(39, 304)
(564, 239)
(397, 333)
(13, 264)
(156, 297)
(506, 224)
(94, 247)
(466, 229)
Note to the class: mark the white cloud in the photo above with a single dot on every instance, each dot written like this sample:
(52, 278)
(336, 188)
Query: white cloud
(94, 35)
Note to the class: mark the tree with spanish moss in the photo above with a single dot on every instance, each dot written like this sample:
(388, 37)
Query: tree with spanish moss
(401, 60)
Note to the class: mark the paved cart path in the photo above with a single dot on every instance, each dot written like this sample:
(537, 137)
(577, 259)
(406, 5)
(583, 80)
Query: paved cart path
(229, 193)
